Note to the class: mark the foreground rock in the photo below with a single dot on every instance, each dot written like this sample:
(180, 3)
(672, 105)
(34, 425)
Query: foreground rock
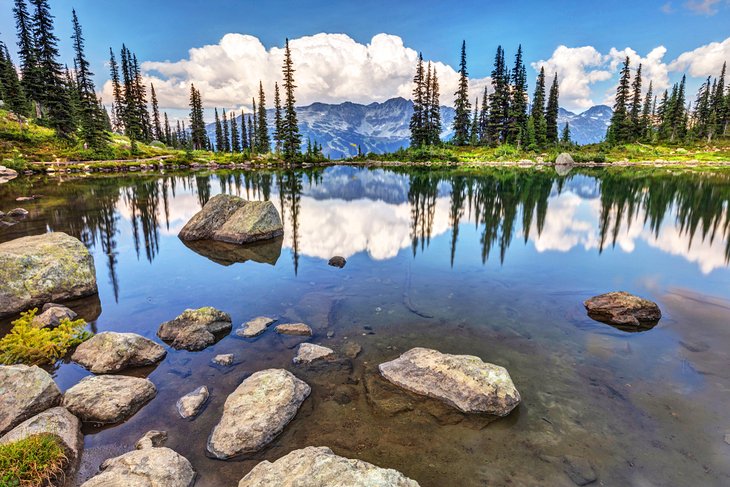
(108, 398)
(110, 351)
(195, 329)
(56, 421)
(319, 466)
(44, 268)
(24, 392)
(231, 219)
(623, 309)
(298, 329)
(192, 403)
(148, 467)
(462, 381)
(256, 412)
(255, 327)
(52, 316)
(309, 353)
(151, 439)
(337, 261)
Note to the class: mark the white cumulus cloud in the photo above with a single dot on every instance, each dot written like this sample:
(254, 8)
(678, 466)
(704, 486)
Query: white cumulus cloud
(704, 61)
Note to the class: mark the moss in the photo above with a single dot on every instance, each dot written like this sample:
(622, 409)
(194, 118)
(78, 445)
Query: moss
(38, 460)
(27, 344)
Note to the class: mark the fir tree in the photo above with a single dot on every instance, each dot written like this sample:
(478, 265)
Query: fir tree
(27, 53)
(565, 136)
(140, 100)
(474, 131)
(128, 107)
(620, 129)
(226, 133)
(157, 131)
(218, 132)
(518, 103)
(461, 103)
(636, 106)
(434, 116)
(198, 136)
(244, 133)
(484, 119)
(255, 135)
(263, 144)
(645, 125)
(718, 105)
(417, 124)
(251, 135)
(12, 92)
(291, 140)
(277, 119)
(499, 100)
(537, 113)
(235, 135)
(551, 113)
(168, 132)
(117, 93)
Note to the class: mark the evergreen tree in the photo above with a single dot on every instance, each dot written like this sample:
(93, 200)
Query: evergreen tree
(461, 103)
(636, 106)
(218, 132)
(551, 113)
(484, 119)
(427, 105)
(645, 125)
(434, 115)
(255, 136)
(565, 136)
(702, 109)
(117, 93)
(417, 124)
(11, 92)
(157, 132)
(168, 132)
(251, 134)
(718, 105)
(244, 133)
(620, 129)
(235, 135)
(518, 103)
(128, 107)
(226, 133)
(198, 136)
(27, 52)
(263, 143)
(537, 113)
(140, 100)
(499, 100)
(277, 119)
(291, 140)
(474, 131)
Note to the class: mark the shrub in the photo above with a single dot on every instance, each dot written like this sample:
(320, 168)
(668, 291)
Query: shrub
(37, 460)
(30, 345)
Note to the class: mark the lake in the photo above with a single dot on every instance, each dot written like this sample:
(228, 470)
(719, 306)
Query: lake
(493, 262)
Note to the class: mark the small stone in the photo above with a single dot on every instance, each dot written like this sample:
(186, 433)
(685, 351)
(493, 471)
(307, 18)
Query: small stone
(337, 261)
(195, 329)
(564, 159)
(299, 329)
(623, 309)
(330, 334)
(579, 470)
(309, 352)
(192, 403)
(110, 351)
(225, 359)
(352, 349)
(108, 398)
(255, 327)
(18, 213)
(152, 439)
(53, 315)
(20, 199)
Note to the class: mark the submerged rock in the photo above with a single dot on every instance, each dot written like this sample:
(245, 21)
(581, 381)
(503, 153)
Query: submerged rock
(256, 412)
(192, 403)
(108, 398)
(195, 329)
(151, 439)
(148, 467)
(110, 351)
(337, 261)
(319, 466)
(44, 268)
(623, 309)
(255, 327)
(224, 359)
(299, 329)
(462, 381)
(213, 215)
(309, 352)
(18, 213)
(579, 470)
(52, 316)
(352, 349)
(24, 392)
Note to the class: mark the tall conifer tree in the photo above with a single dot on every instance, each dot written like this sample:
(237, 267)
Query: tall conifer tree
(462, 105)
(551, 113)
(291, 141)
(235, 135)
(518, 102)
(499, 100)
(218, 132)
(277, 119)
(417, 124)
(537, 113)
(157, 131)
(263, 143)
(27, 52)
(226, 133)
(620, 129)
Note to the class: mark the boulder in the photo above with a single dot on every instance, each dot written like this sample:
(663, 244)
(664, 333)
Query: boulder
(256, 412)
(192, 403)
(337, 261)
(24, 392)
(213, 215)
(255, 327)
(309, 352)
(299, 329)
(43, 268)
(256, 220)
(53, 315)
(151, 439)
(623, 309)
(564, 159)
(462, 381)
(18, 213)
(319, 466)
(110, 351)
(148, 467)
(226, 254)
(195, 329)
(108, 398)
(224, 359)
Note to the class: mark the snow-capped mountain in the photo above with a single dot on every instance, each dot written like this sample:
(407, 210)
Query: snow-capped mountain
(588, 127)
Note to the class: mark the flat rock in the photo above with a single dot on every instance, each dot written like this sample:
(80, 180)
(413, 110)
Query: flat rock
(224, 359)
(256, 412)
(108, 398)
(149, 467)
(195, 329)
(309, 352)
(623, 309)
(255, 327)
(320, 467)
(462, 381)
(299, 329)
(53, 315)
(151, 439)
(256, 220)
(18, 213)
(337, 261)
(44, 268)
(24, 392)
(110, 351)
(192, 403)
(213, 215)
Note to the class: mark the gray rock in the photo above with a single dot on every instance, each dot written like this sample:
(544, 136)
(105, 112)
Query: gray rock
(564, 159)
(53, 315)
(151, 439)
(309, 352)
(213, 215)
(192, 403)
(299, 329)
(579, 470)
(149, 467)
(24, 392)
(727, 438)
(108, 398)
(462, 381)
(623, 309)
(256, 412)
(337, 261)
(43, 268)
(6, 174)
(225, 359)
(110, 351)
(320, 467)
(195, 329)
(18, 213)
(352, 349)
(255, 327)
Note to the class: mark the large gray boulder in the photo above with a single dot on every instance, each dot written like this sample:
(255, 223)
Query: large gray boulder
(110, 351)
(564, 159)
(462, 381)
(320, 467)
(232, 219)
(108, 399)
(148, 467)
(623, 310)
(24, 392)
(256, 412)
(44, 268)
(195, 329)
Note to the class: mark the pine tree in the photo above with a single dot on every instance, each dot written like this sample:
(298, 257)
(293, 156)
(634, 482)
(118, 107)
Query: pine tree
(140, 100)
(620, 129)
(226, 133)
(244, 133)
(198, 136)
(218, 132)
(251, 134)
(718, 104)
(128, 107)
(12, 92)
(27, 52)
(118, 98)
(551, 113)
(263, 143)
(461, 103)
(484, 119)
(518, 103)
(645, 125)
(434, 116)
(474, 131)
(235, 135)
(636, 105)
(427, 85)
(417, 124)
(291, 140)
(255, 137)
(277, 119)
(537, 113)
(499, 100)
(157, 132)
(168, 132)
(565, 136)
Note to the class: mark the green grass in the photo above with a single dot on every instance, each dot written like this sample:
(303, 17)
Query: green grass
(38, 460)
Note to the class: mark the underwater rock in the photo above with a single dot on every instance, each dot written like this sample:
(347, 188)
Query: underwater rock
(255, 327)
(192, 403)
(337, 261)
(195, 329)
(24, 392)
(298, 329)
(309, 352)
(579, 470)
(623, 310)
(151, 439)
(148, 467)
(108, 398)
(224, 359)
(110, 351)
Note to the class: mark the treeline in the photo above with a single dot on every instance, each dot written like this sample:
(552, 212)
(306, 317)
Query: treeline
(503, 116)
(671, 118)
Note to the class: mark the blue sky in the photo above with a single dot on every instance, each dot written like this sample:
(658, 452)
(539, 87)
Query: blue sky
(165, 31)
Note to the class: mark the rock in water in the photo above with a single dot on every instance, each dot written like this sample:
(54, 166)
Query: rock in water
(224, 359)
(256, 412)
(623, 309)
(462, 381)
(564, 159)
(320, 467)
(108, 398)
(151, 439)
(43, 268)
(53, 315)
(110, 351)
(149, 467)
(192, 403)
(337, 261)
(6, 174)
(24, 392)
(18, 213)
(214, 214)
(299, 329)
(195, 329)
(255, 327)
(309, 352)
